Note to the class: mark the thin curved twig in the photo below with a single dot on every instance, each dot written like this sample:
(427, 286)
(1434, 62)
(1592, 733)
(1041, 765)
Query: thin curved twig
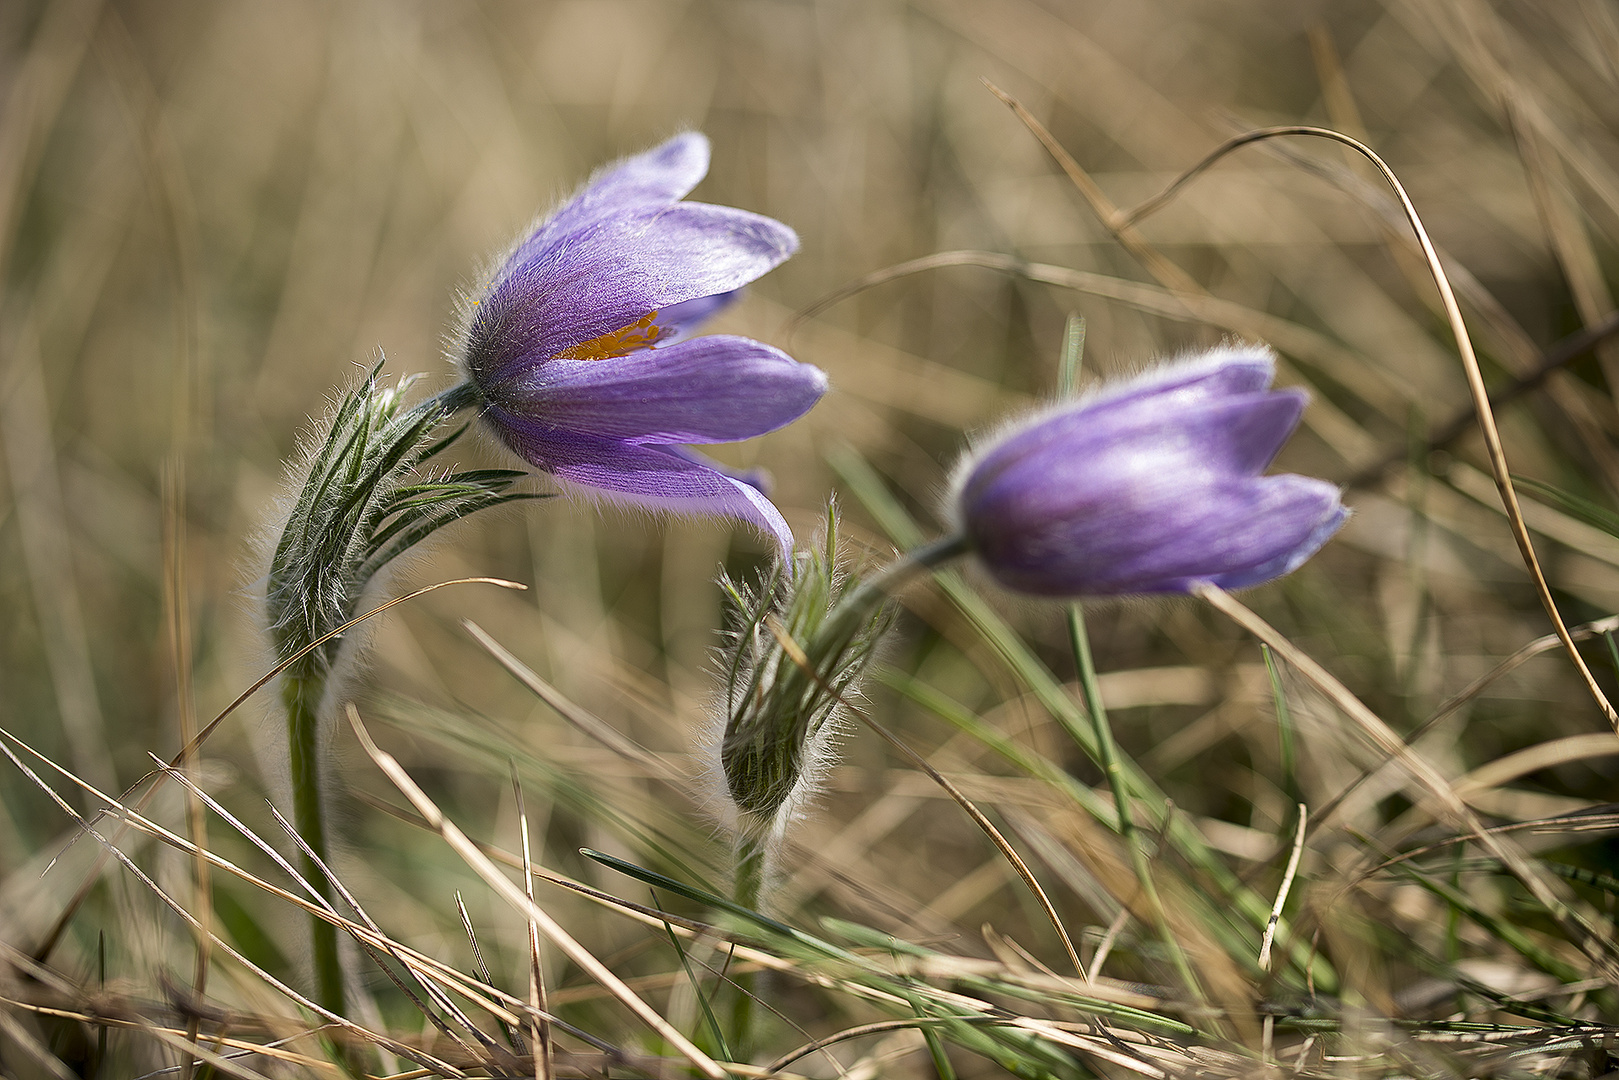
(876, 1028)
(1281, 893)
(1560, 355)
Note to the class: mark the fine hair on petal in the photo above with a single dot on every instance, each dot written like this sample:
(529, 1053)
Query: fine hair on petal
(1098, 393)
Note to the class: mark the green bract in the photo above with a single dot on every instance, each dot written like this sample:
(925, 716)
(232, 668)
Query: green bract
(781, 709)
(362, 502)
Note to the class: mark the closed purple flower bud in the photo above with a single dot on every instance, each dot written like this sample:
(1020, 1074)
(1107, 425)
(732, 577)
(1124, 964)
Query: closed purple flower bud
(1151, 485)
(578, 344)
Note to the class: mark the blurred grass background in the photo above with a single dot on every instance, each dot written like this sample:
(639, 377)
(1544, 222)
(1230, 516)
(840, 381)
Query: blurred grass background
(214, 215)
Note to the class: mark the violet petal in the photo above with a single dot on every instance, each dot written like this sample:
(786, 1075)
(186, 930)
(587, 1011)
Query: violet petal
(653, 477)
(608, 278)
(678, 321)
(1084, 449)
(709, 389)
(659, 176)
(1154, 486)
(557, 345)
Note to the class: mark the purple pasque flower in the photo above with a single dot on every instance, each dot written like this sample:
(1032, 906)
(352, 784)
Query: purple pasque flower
(577, 346)
(1147, 486)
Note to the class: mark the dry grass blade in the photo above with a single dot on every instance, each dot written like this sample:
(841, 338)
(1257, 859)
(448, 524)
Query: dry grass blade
(505, 1008)
(1146, 297)
(1281, 893)
(1528, 652)
(423, 967)
(1535, 648)
(649, 917)
(37, 90)
(491, 999)
(270, 675)
(1596, 945)
(1105, 947)
(582, 719)
(165, 173)
(492, 876)
(371, 946)
(792, 649)
(539, 1029)
(1291, 337)
(1595, 822)
(34, 1050)
(242, 1046)
(1168, 274)
(1577, 345)
(434, 992)
(858, 1032)
(194, 1054)
(40, 507)
(177, 602)
(48, 943)
(1546, 755)
(1089, 1045)
(35, 95)
(217, 943)
(483, 972)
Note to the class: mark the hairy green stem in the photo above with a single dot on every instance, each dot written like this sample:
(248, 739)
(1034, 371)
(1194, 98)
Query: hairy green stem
(748, 891)
(858, 606)
(460, 396)
(301, 693)
(813, 662)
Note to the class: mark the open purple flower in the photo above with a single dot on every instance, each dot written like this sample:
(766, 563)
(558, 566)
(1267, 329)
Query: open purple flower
(577, 346)
(1148, 486)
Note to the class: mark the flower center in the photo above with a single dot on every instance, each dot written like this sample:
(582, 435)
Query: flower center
(641, 334)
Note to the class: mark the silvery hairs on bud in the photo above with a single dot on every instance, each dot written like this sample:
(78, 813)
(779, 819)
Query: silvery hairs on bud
(781, 712)
(362, 494)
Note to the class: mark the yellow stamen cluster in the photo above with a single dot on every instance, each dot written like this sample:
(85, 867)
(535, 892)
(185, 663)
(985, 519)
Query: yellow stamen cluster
(641, 334)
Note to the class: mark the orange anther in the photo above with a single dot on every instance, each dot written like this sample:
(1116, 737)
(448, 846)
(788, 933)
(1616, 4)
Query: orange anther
(641, 334)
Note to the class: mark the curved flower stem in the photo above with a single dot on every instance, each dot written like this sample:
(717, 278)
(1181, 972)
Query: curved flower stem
(859, 604)
(460, 396)
(1108, 751)
(301, 693)
(364, 499)
(929, 556)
